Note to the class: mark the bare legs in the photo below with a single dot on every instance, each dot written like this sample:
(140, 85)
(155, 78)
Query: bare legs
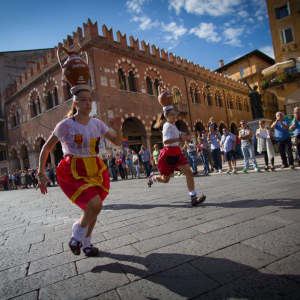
(185, 169)
(90, 214)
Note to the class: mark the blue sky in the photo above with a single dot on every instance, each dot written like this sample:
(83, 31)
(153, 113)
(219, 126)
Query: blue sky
(202, 31)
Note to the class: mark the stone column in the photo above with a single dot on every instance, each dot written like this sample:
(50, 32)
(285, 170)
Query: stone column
(152, 83)
(148, 144)
(52, 157)
(21, 162)
(34, 160)
(194, 95)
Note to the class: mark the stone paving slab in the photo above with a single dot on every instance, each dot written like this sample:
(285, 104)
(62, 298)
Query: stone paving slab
(242, 243)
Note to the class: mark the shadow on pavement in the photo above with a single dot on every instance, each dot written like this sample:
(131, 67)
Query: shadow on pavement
(172, 276)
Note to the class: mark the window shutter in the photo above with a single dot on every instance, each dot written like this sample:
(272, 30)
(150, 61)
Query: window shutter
(283, 36)
(288, 8)
(277, 14)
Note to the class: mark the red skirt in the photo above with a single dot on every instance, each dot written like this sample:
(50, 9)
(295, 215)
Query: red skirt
(169, 159)
(82, 178)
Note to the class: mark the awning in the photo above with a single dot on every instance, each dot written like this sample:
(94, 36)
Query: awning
(279, 66)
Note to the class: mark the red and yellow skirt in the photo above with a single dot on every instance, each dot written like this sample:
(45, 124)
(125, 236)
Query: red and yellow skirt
(82, 178)
(169, 159)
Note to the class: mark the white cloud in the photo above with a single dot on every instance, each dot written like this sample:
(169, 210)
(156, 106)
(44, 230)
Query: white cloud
(242, 14)
(267, 50)
(205, 7)
(260, 18)
(251, 20)
(175, 30)
(206, 31)
(146, 23)
(135, 5)
(231, 36)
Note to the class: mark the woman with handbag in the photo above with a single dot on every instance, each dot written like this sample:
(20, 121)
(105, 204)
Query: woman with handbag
(264, 144)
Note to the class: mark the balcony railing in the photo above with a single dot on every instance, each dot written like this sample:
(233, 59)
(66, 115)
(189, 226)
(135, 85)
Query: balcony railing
(278, 78)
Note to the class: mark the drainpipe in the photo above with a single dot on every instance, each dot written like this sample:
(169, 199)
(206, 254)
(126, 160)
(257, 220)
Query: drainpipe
(188, 103)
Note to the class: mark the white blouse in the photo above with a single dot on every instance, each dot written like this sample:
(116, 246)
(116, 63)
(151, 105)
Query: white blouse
(170, 131)
(80, 140)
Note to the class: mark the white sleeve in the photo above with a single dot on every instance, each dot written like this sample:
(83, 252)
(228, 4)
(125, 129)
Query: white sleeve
(168, 132)
(102, 127)
(61, 131)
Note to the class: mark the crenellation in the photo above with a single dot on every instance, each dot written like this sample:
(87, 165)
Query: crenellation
(171, 57)
(145, 48)
(134, 43)
(121, 38)
(70, 41)
(52, 54)
(107, 34)
(179, 61)
(91, 30)
(185, 63)
(164, 54)
(154, 50)
(77, 36)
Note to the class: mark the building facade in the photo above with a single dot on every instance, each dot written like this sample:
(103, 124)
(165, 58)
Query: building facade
(248, 67)
(284, 18)
(12, 65)
(125, 80)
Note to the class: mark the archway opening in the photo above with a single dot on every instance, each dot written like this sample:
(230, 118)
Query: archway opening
(39, 145)
(156, 137)
(199, 127)
(24, 155)
(181, 126)
(221, 127)
(58, 153)
(134, 130)
(233, 128)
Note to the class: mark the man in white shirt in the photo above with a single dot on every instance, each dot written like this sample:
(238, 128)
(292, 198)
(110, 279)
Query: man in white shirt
(190, 146)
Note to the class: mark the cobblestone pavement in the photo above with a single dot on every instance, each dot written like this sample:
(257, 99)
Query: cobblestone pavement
(242, 243)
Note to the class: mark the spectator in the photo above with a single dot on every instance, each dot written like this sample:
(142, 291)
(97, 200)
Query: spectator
(295, 125)
(238, 147)
(204, 136)
(4, 180)
(126, 167)
(136, 163)
(191, 149)
(228, 141)
(145, 156)
(202, 149)
(155, 155)
(264, 144)
(247, 146)
(222, 154)
(283, 139)
(214, 138)
(211, 123)
(119, 162)
(113, 167)
(132, 169)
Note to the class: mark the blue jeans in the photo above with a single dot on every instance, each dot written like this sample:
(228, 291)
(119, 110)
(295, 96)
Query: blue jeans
(114, 173)
(146, 165)
(238, 151)
(193, 160)
(246, 151)
(205, 162)
(216, 157)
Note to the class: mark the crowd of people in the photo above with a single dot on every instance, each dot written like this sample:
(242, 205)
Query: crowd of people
(213, 149)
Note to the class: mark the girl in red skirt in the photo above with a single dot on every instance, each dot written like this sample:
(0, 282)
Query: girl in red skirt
(82, 175)
(170, 157)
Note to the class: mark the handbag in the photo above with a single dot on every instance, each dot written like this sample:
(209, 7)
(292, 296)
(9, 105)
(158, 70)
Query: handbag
(123, 166)
(135, 163)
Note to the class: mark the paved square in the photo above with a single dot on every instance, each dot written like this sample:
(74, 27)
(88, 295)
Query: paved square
(242, 243)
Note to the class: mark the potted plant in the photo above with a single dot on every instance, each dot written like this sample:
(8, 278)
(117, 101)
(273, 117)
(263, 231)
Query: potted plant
(264, 84)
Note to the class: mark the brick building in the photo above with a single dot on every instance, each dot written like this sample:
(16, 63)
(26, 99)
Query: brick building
(124, 79)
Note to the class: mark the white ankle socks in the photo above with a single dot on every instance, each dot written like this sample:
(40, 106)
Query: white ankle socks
(86, 242)
(192, 193)
(78, 233)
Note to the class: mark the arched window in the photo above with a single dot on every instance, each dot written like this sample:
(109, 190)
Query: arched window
(217, 100)
(176, 96)
(229, 102)
(209, 99)
(38, 105)
(49, 101)
(55, 97)
(246, 106)
(192, 94)
(34, 109)
(122, 81)
(239, 103)
(131, 82)
(205, 98)
(149, 86)
(156, 85)
(220, 99)
(15, 119)
(197, 96)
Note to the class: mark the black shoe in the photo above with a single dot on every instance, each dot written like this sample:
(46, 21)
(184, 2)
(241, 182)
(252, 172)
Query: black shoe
(195, 201)
(75, 246)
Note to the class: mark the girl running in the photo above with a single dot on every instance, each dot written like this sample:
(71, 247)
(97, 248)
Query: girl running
(171, 157)
(82, 175)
